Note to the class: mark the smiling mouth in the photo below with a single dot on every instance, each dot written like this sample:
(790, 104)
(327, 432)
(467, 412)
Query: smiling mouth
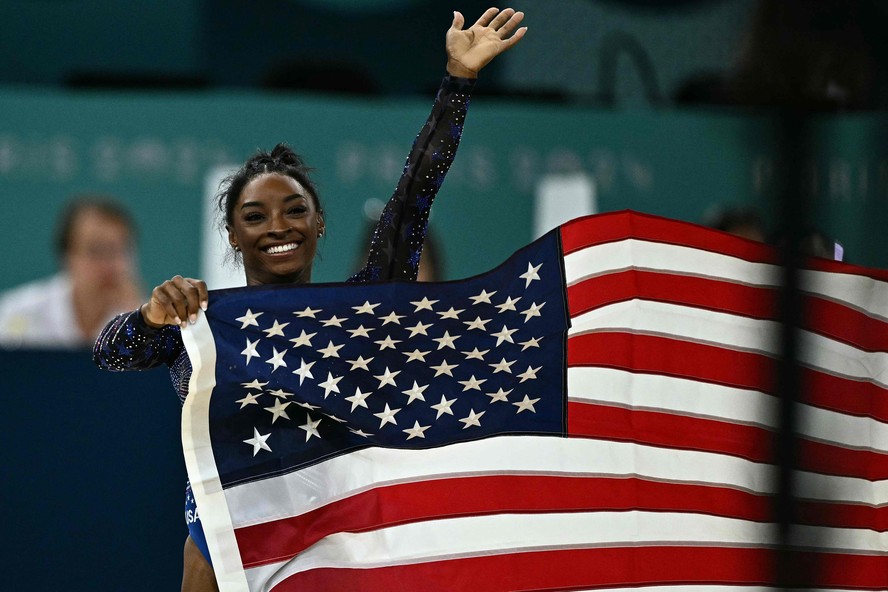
(280, 249)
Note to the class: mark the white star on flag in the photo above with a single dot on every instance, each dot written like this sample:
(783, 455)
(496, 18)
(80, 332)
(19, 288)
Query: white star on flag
(311, 427)
(419, 328)
(255, 384)
(365, 308)
(280, 393)
(502, 366)
(505, 334)
(387, 377)
(416, 431)
(333, 321)
(443, 407)
(303, 339)
(250, 399)
(249, 319)
(258, 442)
(278, 410)
(444, 368)
(387, 416)
(387, 343)
(526, 404)
(509, 304)
(360, 363)
(416, 355)
(330, 384)
(451, 314)
(275, 329)
(531, 274)
(472, 384)
(250, 350)
(533, 342)
(529, 374)
(533, 311)
(331, 351)
(358, 399)
(361, 331)
(499, 395)
(446, 340)
(391, 318)
(277, 360)
(307, 312)
(304, 370)
(478, 323)
(415, 392)
(475, 354)
(424, 304)
(472, 419)
(484, 296)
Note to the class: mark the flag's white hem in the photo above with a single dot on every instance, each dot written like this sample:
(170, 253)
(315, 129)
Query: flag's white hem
(201, 463)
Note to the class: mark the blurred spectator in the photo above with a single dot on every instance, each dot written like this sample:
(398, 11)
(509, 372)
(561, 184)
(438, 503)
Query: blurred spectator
(739, 220)
(95, 245)
(823, 55)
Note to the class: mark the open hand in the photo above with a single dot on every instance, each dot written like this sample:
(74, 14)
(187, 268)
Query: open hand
(471, 49)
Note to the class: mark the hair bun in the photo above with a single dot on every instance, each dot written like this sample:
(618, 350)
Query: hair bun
(285, 155)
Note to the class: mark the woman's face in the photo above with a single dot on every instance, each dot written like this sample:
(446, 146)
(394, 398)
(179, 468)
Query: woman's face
(276, 225)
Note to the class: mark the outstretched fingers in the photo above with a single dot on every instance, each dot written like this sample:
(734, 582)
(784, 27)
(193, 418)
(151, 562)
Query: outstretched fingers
(506, 28)
(485, 19)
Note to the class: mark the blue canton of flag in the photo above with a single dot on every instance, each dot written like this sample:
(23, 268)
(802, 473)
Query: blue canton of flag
(304, 373)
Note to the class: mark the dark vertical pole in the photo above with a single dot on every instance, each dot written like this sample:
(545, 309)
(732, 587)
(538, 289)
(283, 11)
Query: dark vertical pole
(794, 209)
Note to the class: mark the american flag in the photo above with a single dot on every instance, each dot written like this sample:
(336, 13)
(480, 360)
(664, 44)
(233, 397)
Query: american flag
(598, 412)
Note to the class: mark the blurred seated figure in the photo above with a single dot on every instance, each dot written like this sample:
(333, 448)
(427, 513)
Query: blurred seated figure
(95, 245)
(742, 221)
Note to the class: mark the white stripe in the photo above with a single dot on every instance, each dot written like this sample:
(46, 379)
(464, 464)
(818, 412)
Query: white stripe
(201, 463)
(686, 261)
(859, 292)
(302, 491)
(656, 392)
(731, 331)
(701, 399)
(505, 533)
(343, 476)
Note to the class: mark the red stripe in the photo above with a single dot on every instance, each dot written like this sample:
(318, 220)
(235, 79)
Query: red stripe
(611, 227)
(473, 496)
(841, 515)
(671, 357)
(701, 292)
(676, 430)
(615, 226)
(573, 569)
(822, 457)
(669, 430)
(823, 317)
(652, 354)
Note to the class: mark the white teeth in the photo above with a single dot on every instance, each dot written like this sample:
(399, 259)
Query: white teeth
(282, 248)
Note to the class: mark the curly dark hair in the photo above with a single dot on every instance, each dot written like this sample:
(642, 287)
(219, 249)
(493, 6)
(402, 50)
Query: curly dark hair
(281, 160)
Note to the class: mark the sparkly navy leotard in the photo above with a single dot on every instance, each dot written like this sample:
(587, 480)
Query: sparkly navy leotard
(128, 343)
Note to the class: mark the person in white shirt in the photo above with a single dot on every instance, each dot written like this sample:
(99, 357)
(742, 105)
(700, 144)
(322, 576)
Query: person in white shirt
(98, 279)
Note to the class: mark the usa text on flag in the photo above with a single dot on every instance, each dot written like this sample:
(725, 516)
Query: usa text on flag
(598, 412)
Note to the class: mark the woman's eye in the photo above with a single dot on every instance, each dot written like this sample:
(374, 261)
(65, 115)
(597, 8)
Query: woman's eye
(298, 210)
(253, 217)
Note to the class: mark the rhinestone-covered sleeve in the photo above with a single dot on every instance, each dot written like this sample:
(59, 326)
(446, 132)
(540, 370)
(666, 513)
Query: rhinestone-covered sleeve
(128, 343)
(399, 234)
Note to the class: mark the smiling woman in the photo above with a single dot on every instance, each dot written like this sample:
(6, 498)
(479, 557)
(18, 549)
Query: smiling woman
(274, 219)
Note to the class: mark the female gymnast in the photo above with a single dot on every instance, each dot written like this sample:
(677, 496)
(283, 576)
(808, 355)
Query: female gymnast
(274, 218)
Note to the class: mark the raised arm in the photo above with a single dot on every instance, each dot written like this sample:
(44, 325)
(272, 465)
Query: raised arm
(399, 234)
